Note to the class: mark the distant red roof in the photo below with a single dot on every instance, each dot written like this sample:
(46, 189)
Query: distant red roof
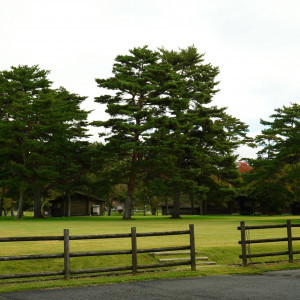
(243, 167)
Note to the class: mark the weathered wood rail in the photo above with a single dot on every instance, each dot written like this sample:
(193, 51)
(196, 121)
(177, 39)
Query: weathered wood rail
(66, 238)
(289, 239)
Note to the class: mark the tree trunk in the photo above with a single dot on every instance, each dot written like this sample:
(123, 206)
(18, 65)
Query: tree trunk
(205, 207)
(127, 208)
(2, 201)
(192, 203)
(201, 207)
(21, 204)
(167, 206)
(131, 183)
(129, 199)
(42, 206)
(176, 207)
(37, 203)
(12, 212)
(68, 204)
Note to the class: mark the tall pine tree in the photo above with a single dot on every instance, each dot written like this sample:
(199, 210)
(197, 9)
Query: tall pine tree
(274, 180)
(198, 139)
(140, 83)
(38, 126)
(162, 123)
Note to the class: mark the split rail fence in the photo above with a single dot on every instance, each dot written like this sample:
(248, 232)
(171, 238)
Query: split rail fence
(67, 272)
(244, 242)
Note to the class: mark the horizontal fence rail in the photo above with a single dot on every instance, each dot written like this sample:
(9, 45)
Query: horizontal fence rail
(269, 240)
(89, 237)
(267, 226)
(67, 254)
(245, 243)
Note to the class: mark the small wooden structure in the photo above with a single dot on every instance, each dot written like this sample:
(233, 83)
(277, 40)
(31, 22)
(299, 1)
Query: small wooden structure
(77, 204)
(295, 208)
(184, 210)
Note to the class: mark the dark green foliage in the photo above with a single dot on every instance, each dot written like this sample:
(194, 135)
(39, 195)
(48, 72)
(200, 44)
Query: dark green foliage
(274, 180)
(141, 83)
(38, 130)
(162, 128)
(196, 143)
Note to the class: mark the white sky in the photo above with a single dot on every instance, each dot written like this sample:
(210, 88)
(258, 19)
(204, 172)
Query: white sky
(255, 43)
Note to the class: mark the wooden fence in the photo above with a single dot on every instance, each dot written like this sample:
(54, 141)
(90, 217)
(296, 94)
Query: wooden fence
(244, 242)
(67, 272)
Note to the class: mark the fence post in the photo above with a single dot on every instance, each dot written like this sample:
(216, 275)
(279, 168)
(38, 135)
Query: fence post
(290, 240)
(192, 245)
(243, 243)
(66, 254)
(134, 250)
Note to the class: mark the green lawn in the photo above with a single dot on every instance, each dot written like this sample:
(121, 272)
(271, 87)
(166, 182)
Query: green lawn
(216, 237)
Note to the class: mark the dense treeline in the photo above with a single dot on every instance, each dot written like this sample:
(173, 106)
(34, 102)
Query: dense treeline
(164, 138)
(164, 130)
(40, 134)
(274, 180)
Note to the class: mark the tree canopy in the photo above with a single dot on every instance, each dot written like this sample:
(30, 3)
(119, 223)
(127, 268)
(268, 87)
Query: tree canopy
(164, 138)
(274, 180)
(162, 124)
(39, 131)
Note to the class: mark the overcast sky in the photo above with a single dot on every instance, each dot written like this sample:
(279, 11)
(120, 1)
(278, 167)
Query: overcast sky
(255, 43)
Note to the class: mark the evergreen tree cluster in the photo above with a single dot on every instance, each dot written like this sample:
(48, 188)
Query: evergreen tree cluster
(274, 181)
(40, 134)
(164, 129)
(163, 140)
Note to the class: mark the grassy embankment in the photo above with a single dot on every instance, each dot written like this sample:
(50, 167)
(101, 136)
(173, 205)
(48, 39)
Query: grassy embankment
(216, 237)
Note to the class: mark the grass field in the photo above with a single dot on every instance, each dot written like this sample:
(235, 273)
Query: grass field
(216, 237)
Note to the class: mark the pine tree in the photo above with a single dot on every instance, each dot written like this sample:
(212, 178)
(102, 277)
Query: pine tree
(274, 180)
(38, 128)
(141, 83)
(202, 137)
(162, 126)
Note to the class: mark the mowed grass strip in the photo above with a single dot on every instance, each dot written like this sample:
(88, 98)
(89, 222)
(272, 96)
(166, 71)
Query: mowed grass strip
(216, 237)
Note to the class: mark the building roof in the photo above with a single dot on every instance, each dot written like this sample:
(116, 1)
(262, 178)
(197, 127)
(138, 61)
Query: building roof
(82, 196)
(243, 167)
